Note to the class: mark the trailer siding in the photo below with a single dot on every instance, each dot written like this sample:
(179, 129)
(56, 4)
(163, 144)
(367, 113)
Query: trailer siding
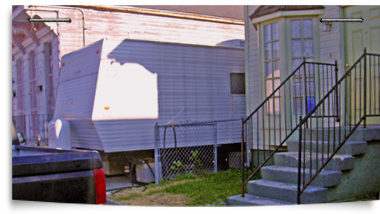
(76, 91)
(193, 79)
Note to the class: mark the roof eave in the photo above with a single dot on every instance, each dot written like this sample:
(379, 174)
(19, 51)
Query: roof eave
(286, 13)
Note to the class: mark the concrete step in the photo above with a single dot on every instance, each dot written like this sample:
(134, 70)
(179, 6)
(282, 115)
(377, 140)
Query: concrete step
(338, 162)
(360, 134)
(254, 200)
(286, 191)
(327, 178)
(349, 148)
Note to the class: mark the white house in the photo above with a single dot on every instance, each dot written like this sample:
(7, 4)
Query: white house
(37, 47)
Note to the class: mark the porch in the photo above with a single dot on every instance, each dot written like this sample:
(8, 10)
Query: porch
(332, 146)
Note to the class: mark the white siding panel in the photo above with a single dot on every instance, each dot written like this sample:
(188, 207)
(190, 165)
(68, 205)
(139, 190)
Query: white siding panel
(330, 42)
(81, 63)
(77, 98)
(195, 78)
(83, 134)
(76, 92)
(254, 66)
(126, 135)
(77, 83)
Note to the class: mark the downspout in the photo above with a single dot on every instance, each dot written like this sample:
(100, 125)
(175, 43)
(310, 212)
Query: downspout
(247, 75)
(246, 52)
(69, 8)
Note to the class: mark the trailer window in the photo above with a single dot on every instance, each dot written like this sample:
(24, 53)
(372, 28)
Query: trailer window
(237, 83)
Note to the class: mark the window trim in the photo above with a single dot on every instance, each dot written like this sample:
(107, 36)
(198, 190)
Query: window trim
(282, 36)
(273, 79)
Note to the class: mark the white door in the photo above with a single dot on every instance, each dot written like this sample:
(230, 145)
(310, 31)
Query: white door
(358, 36)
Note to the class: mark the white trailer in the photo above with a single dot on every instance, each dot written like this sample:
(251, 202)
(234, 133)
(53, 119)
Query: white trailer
(112, 92)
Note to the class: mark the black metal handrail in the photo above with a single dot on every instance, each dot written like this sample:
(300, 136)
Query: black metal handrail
(293, 94)
(360, 100)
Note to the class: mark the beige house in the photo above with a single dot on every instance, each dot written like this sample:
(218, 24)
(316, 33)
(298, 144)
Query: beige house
(278, 28)
(279, 37)
(313, 103)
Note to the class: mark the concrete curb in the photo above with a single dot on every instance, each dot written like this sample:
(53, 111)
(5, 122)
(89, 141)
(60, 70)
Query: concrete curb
(112, 202)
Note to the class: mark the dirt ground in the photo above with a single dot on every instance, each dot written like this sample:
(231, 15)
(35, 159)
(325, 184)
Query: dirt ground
(149, 197)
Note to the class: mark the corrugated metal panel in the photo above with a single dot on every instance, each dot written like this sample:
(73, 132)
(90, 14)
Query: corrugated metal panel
(84, 135)
(125, 91)
(194, 77)
(76, 93)
(126, 135)
(75, 98)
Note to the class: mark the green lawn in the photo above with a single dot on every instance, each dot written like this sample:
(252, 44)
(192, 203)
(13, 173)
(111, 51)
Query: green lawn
(189, 190)
(192, 190)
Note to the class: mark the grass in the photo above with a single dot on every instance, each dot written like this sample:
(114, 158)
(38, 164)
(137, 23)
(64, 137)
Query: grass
(188, 190)
(366, 197)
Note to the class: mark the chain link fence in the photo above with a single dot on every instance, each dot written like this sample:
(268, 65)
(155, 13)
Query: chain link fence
(195, 148)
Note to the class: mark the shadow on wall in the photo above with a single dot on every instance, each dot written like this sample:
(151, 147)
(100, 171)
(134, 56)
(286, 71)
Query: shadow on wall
(192, 76)
(125, 90)
(145, 73)
(234, 43)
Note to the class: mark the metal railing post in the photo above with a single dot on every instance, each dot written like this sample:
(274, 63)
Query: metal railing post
(215, 148)
(365, 87)
(299, 162)
(242, 157)
(336, 92)
(305, 85)
(156, 153)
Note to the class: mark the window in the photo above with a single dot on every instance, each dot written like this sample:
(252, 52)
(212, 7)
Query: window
(237, 83)
(302, 45)
(284, 42)
(33, 93)
(49, 68)
(272, 65)
(33, 81)
(19, 87)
